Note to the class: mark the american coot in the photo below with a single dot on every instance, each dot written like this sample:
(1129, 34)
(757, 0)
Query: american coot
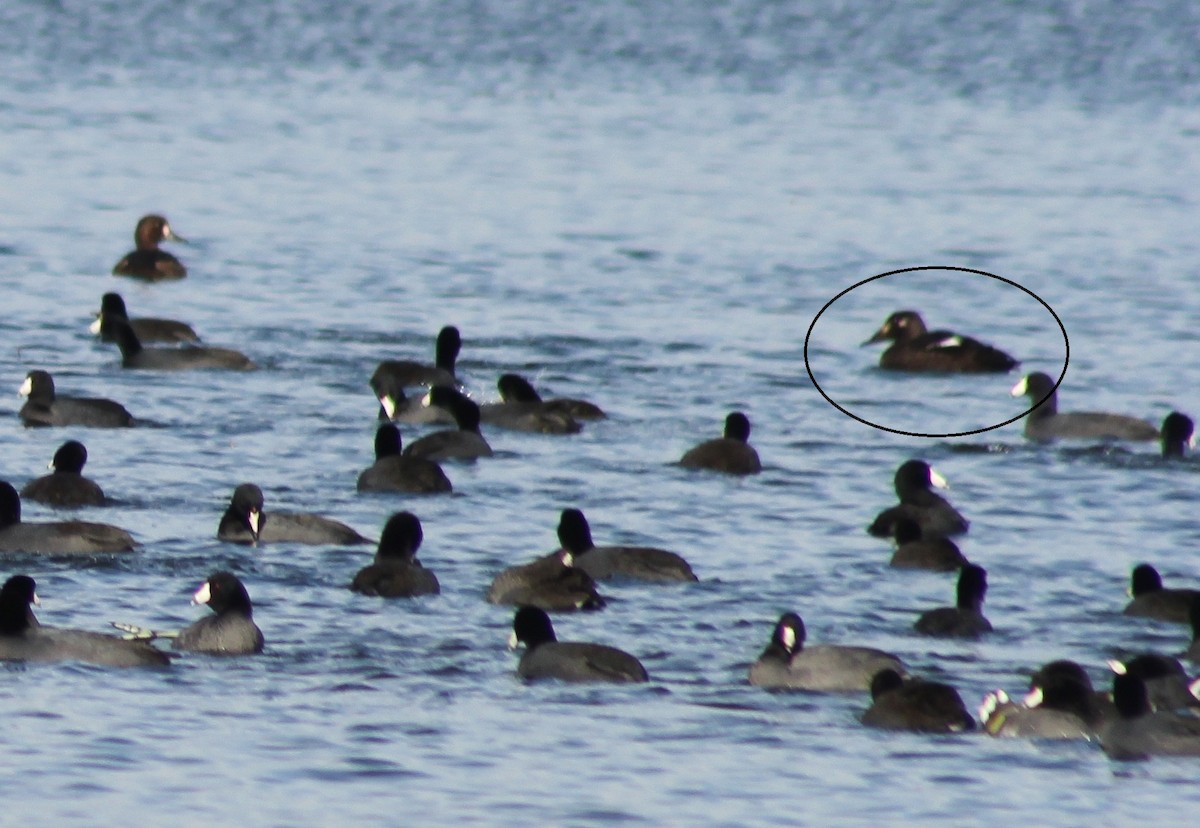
(191, 357)
(1045, 423)
(68, 537)
(1152, 600)
(395, 405)
(604, 562)
(965, 619)
(514, 388)
(147, 261)
(551, 582)
(936, 517)
(462, 443)
(1167, 683)
(899, 703)
(22, 638)
(1061, 704)
(147, 329)
(44, 407)
(787, 664)
(246, 522)
(915, 552)
(393, 472)
(545, 657)
(231, 630)
(1178, 435)
(66, 487)
(1138, 733)
(405, 373)
(916, 349)
(521, 409)
(396, 572)
(731, 453)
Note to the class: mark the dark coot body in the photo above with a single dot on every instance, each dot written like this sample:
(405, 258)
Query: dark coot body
(1166, 680)
(932, 512)
(22, 638)
(405, 373)
(1137, 732)
(916, 349)
(66, 487)
(899, 703)
(915, 552)
(66, 537)
(147, 262)
(45, 407)
(545, 657)
(1152, 600)
(1045, 423)
(396, 572)
(188, 358)
(551, 582)
(788, 664)
(393, 472)
(522, 409)
(245, 521)
(965, 619)
(462, 443)
(397, 406)
(231, 629)
(1061, 704)
(147, 329)
(516, 389)
(641, 563)
(731, 453)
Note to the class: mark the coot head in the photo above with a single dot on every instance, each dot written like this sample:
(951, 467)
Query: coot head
(531, 627)
(915, 476)
(574, 533)
(402, 536)
(387, 441)
(1178, 434)
(246, 508)
(1041, 389)
(16, 596)
(515, 388)
(10, 505)
(1145, 579)
(224, 592)
(70, 458)
(464, 410)
(737, 427)
(972, 587)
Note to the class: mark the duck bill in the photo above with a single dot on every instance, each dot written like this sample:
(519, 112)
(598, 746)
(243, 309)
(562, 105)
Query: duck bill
(168, 233)
(94, 328)
(881, 335)
(513, 643)
(254, 519)
(1021, 388)
(26, 388)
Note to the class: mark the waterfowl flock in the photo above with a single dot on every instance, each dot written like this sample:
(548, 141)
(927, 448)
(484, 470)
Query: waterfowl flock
(1150, 709)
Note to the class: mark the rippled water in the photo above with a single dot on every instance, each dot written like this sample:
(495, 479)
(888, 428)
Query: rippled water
(643, 207)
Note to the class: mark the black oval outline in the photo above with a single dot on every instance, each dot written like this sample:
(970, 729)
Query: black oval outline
(853, 416)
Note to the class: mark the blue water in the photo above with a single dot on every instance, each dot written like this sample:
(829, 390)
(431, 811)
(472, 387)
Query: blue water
(646, 207)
